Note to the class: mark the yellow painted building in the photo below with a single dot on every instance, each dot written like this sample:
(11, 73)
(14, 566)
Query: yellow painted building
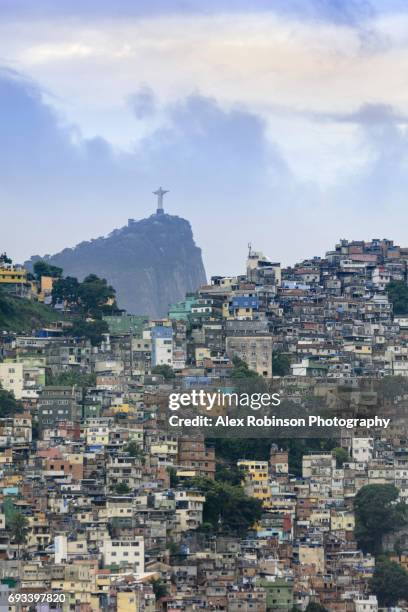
(10, 275)
(127, 601)
(97, 435)
(46, 284)
(342, 521)
(201, 353)
(256, 480)
(122, 409)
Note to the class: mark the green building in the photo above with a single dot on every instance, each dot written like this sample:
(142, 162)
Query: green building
(279, 594)
(91, 409)
(182, 310)
(127, 324)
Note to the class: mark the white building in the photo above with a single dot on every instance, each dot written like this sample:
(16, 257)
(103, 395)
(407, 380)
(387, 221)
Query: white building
(161, 345)
(189, 510)
(368, 604)
(60, 548)
(125, 552)
(362, 449)
(12, 379)
(381, 277)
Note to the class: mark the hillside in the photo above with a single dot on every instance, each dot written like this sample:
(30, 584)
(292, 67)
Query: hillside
(21, 315)
(151, 263)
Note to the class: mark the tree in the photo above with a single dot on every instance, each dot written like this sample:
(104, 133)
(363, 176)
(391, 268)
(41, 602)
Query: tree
(4, 259)
(122, 488)
(232, 475)
(159, 588)
(389, 583)
(96, 297)
(241, 370)
(226, 507)
(246, 380)
(66, 290)
(91, 330)
(71, 378)
(398, 296)
(280, 364)
(6, 307)
(341, 455)
(164, 370)
(9, 406)
(18, 527)
(42, 268)
(377, 513)
(174, 479)
(133, 449)
(232, 449)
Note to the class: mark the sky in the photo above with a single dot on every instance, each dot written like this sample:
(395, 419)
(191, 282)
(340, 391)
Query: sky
(280, 123)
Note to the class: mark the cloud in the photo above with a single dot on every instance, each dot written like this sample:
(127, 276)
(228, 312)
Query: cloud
(143, 103)
(219, 166)
(221, 163)
(381, 185)
(339, 11)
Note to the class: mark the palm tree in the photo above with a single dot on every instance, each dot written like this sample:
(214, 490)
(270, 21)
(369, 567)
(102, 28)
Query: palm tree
(18, 527)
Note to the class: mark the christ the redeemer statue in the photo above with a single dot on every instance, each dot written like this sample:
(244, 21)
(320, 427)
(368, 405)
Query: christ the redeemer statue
(160, 193)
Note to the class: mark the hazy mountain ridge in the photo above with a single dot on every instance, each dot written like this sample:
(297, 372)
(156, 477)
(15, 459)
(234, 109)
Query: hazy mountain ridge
(151, 263)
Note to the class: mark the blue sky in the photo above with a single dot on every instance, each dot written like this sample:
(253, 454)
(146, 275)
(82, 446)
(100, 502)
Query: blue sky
(282, 123)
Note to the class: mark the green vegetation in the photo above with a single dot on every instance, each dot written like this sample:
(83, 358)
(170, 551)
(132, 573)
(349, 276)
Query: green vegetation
(341, 456)
(9, 406)
(398, 296)
(71, 378)
(122, 489)
(91, 298)
(94, 296)
(164, 370)
(174, 479)
(298, 447)
(4, 259)
(42, 268)
(229, 450)
(246, 380)
(226, 507)
(280, 364)
(91, 330)
(159, 588)
(377, 513)
(389, 583)
(133, 449)
(65, 290)
(232, 475)
(21, 315)
(18, 528)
